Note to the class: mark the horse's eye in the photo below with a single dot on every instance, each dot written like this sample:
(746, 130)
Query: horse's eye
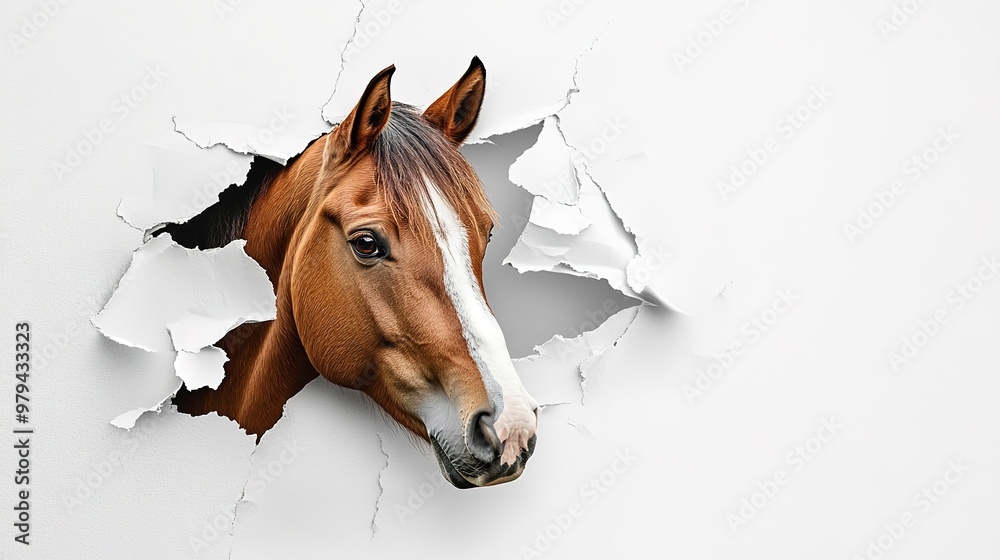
(366, 246)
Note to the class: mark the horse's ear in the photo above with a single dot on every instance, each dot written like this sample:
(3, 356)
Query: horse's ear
(370, 115)
(455, 113)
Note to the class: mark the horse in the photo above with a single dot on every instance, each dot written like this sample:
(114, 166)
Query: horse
(373, 238)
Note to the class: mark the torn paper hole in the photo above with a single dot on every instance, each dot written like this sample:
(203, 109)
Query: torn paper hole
(192, 169)
(184, 181)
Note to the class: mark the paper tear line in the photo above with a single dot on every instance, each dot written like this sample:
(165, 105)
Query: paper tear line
(343, 58)
(242, 498)
(232, 141)
(542, 350)
(596, 355)
(643, 291)
(542, 406)
(381, 487)
(127, 420)
(576, 71)
(173, 120)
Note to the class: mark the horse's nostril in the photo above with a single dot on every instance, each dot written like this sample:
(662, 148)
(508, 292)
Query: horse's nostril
(482, 438)
(486, 428)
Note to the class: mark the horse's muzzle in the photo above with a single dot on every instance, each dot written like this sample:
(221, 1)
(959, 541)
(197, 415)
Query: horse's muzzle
(471, 471)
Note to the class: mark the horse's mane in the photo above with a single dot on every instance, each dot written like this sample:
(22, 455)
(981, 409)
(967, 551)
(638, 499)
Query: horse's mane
(408, 154)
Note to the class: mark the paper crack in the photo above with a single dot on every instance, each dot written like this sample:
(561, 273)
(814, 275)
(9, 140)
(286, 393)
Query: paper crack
(343, 54)
(381, 487)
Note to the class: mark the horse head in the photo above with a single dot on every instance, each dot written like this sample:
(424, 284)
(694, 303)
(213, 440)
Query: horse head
(386, 281)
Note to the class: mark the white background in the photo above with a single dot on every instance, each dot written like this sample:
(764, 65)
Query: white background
(700, 88)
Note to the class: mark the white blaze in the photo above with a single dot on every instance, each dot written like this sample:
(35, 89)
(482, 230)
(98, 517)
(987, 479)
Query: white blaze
(516, 421)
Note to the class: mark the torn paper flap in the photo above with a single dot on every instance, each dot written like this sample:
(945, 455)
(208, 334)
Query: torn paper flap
(185, 180)
(167, 284)
(685, 259)
(204, 368)
(194, 332)
(543, 372)
(127, 420)
(566, 219)
(546, 168)
(279, 139)
(572, 227)
(601, 250)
